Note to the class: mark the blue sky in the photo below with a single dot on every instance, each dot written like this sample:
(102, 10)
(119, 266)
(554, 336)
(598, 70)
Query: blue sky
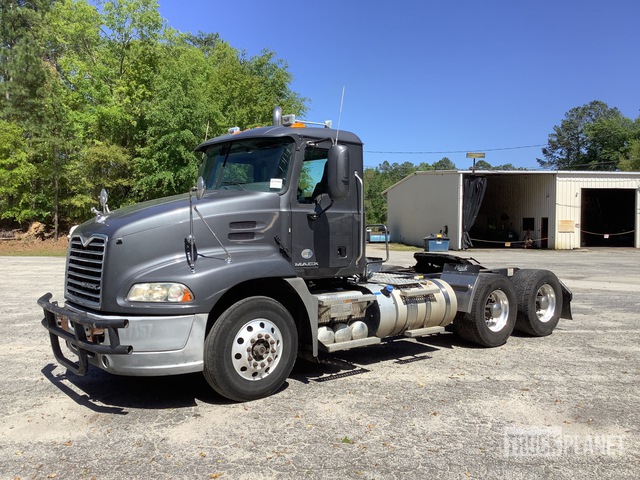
(440, 76)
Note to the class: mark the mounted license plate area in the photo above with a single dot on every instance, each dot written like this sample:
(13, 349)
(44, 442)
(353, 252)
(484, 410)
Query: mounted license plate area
(92, 334)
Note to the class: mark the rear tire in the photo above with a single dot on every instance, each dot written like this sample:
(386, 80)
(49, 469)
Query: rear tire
(250, 350)
(539, 301)
(493, 312)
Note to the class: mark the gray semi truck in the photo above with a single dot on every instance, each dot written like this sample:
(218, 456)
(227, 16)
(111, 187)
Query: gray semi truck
(279, 269)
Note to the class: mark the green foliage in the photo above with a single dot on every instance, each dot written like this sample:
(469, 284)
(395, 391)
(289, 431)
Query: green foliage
(175, 120)
(16, 173)
(98, 166)
(444, 164)
(21, 70)
(630, 155)
(484, 165)
(590, 137)
(508, 166)
(104, 94)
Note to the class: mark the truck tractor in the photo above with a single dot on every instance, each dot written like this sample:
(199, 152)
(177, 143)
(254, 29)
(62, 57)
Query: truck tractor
(279, 269)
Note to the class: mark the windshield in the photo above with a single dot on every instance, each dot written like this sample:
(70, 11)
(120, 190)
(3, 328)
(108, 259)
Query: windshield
(258, 164)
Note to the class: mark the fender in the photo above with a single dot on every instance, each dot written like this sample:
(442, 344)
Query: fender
(311, 305)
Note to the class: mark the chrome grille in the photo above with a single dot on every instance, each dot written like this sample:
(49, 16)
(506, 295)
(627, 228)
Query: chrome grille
(84, 269)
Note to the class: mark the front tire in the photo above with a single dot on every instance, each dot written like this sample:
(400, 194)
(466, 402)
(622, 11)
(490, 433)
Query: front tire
(250, 350)
(539, 301)
(493, 312)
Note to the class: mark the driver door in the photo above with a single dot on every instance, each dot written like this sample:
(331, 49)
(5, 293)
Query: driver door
(323, 232)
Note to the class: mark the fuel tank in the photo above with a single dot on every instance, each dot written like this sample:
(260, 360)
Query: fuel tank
(386, 305)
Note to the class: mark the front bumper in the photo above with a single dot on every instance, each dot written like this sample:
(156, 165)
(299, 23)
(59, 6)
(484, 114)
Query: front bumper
(138, 345)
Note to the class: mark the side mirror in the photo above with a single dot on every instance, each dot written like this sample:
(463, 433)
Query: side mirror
(338, 171)
(200, 188)
(103, 198)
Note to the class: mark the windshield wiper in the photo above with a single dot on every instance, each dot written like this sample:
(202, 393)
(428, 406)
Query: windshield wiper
(238, 184)
(224, 165)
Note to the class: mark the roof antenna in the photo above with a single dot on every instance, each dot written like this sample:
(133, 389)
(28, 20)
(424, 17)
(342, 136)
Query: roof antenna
(340, 115)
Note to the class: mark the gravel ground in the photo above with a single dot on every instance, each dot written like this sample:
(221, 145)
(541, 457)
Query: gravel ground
(563, 406)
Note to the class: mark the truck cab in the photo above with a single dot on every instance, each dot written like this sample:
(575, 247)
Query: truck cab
(318, 218)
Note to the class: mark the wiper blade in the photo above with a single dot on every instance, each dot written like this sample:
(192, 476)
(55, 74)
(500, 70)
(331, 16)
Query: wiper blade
(238, 184)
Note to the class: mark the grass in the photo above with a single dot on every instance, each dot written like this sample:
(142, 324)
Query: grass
(401, 247)
(396, 247)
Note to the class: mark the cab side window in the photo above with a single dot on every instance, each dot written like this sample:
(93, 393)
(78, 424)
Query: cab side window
(313, 178)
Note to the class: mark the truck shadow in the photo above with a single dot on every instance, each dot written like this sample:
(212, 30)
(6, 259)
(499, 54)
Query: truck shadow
(354, 362)
(102, 392)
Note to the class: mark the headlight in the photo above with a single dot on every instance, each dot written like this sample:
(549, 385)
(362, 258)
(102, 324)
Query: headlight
(160, 292)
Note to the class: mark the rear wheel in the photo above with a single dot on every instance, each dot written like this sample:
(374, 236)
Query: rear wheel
(493, 312)
(539, 301)
(250, 350)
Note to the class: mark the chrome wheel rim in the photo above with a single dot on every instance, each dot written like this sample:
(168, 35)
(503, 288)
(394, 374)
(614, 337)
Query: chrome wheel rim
(545, 303)
(496, 310)
(257, 349)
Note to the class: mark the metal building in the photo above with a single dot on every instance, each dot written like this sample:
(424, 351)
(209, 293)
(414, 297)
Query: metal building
(536, 209)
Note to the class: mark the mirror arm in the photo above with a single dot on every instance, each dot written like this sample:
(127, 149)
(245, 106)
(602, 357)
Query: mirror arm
(315, 216)
(191, 241)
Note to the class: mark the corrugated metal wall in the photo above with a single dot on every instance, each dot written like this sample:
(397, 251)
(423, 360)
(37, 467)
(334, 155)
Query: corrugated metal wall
(569, 201)
(421, 204)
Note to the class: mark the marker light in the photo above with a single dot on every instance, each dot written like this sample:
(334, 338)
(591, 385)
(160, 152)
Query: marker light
(160, 292)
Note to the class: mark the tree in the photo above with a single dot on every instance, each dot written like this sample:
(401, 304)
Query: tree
(199, 92)
(104, 93)
(610, 140)
(175, 119)
(508, 166)
(444, 164)
(21, 69)
(375, 206)
(630, 156)
(16, 174)
(630, 160)
(97, 166)
(570, 146)
(483, 165)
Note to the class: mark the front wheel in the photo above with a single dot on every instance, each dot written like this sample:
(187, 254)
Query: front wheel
(250, 350)
(539, 301)
(493, 312)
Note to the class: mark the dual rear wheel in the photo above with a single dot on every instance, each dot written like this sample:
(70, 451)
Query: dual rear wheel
(539, 296)
(530, 302)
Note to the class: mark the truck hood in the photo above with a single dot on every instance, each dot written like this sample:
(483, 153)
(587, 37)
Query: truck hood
(172, 213)
(139, 217)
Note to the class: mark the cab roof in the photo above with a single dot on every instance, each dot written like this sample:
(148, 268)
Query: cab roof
(277, 131)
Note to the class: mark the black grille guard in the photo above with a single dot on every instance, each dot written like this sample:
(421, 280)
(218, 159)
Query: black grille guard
(78, 338)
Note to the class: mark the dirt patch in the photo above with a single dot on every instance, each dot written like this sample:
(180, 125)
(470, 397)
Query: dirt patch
(34, 247)
(37, 240)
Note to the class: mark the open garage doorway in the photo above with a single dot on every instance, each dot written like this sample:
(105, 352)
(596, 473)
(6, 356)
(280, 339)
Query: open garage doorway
(608, 217)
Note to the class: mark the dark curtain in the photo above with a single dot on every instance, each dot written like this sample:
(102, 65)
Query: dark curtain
(473, 188)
